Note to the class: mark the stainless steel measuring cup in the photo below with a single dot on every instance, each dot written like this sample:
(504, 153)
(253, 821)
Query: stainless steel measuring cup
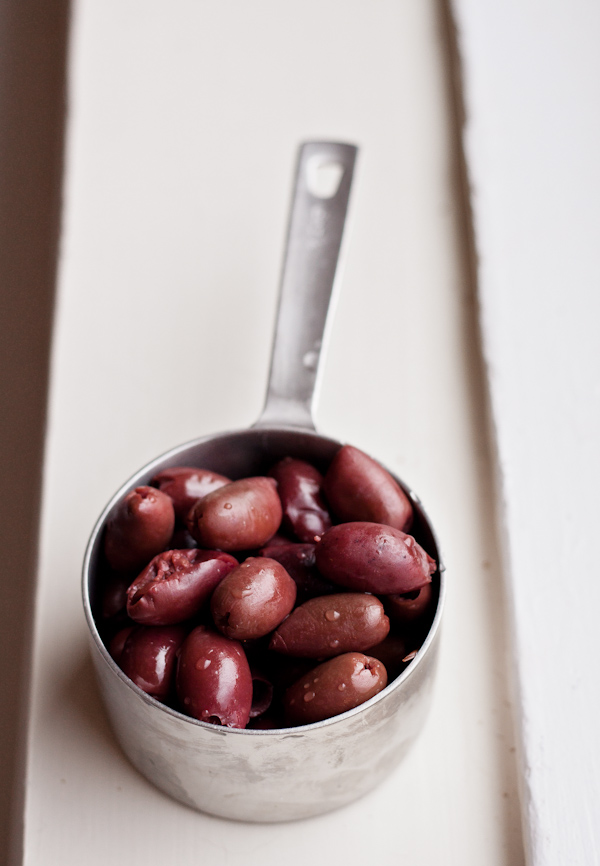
(274, 775)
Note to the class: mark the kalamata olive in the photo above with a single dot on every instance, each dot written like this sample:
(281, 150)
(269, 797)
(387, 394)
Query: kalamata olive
(214, 683)
(299, 562)
(411, 607)
(242, 515)
(253, 599)
(391, 652)
(182, 540)
(373, 558)
(139, 528)
(186, 484)
(359, 488)
(114, 595)
(330, 625)
(299, 487)
(175, 585)
(262, 693)
(334, 687)
(117, 644)
(149, 655)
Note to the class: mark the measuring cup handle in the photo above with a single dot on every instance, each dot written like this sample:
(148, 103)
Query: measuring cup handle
(316, 225)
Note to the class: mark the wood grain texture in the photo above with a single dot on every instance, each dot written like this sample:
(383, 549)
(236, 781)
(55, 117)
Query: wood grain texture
(532, 138)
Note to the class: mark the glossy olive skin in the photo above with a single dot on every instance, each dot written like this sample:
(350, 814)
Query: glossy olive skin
(117, 644)
(262, 693)
(139, 528)
(391, 653)
(253, 599)
(373, 558)
(242, 515)
(299, 562)
(359, 488)
(149, 656)
(214, 683)
(334, 687)
(299, 486)
(331, 625)
(175, 585)
(186, 484)
(410, 608)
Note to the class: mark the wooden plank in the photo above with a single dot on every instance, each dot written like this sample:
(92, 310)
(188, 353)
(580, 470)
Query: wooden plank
(532, 139)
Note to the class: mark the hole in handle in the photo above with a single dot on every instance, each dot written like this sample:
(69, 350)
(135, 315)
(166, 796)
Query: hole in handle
(323, 177)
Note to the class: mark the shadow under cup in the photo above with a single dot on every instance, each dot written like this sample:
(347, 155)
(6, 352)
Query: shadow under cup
(262, 775)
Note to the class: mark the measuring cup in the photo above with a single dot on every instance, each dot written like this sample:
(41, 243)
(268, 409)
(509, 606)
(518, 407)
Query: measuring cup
(289, 773)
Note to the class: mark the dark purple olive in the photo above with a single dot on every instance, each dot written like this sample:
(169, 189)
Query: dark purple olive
(175, 585)
(149, 655)
(334, 687)
(242, 515)
(140, 527)
(186, 484)
(214, 683)
(182, 540)
(391, 652)
(299, 486)
(411, 607)
(262, 693)
(373, 558)
(253, 599)
(299, 562)
(359, 488)
(114, 595)
(331, 625)
(117, 644)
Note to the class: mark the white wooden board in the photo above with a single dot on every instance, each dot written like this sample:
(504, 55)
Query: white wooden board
(183, 124)
(532, 138)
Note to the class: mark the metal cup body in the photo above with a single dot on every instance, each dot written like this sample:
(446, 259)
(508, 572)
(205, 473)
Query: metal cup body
(255, 775)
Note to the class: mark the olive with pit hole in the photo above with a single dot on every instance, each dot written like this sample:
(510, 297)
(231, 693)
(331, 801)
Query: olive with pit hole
(359, 488)
(334, 687)
(299, 486)
(411, 607)
(186, 484)
(330, 625)
(299, 562)
(149, 656)
(242, 515)
(214, 683)
(139, 528)
(253, 599)
(373, 558)
(175, 585)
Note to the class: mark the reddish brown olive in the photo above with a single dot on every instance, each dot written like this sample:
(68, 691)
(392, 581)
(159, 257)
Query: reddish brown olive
(214, 683)
(299, 562)
(117, 644)
(391, 652)
(139, 528)
(242, 515)
(253, 599)
(331, 625)
(359, 488)
(373, 558)
(299, 486)
(262, 693)
(149, 655)
(175, 585)
(334, 687)
(412, 607)
(186, 484)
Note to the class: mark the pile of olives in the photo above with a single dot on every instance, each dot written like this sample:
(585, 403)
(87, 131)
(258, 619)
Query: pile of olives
(265, 602)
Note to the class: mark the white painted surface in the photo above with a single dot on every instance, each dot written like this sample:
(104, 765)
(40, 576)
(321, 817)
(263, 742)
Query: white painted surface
(184, 121)
(532, 76)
